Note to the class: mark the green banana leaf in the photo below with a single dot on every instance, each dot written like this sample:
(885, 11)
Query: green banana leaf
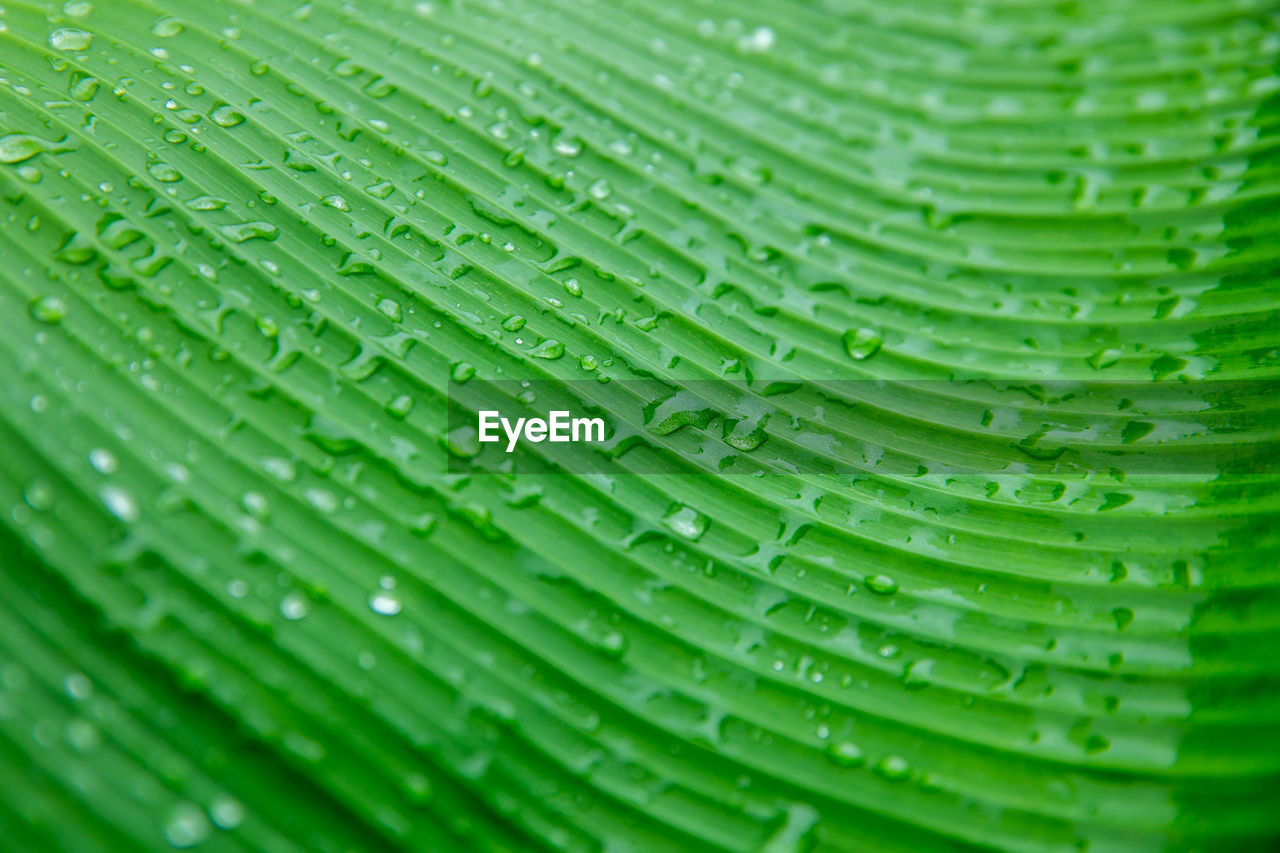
(937, 343)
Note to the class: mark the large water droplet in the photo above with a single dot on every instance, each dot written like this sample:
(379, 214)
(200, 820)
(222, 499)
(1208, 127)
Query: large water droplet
(384, 603)
(70, 38)
(688, 522)
(245, 231)
(166, 28)
(48, 309)
(225, 115)
(17, 147)
(862, 343)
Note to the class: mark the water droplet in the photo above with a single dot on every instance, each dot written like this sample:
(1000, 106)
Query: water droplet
(381, 189)
(78, 686)
(187, 826)
(102, 460)
(882, 584)
(69, 38)
(38, 495)
(391, 309)
(119, 503)
(17, 147)
(204, 203)
(893, 768)
(226, 812)
(687, 521)
(400, 406)
(255, 504)
(600, 189)
(1104, 358)
(384, 603)
(245, 231)
(166, 28)
(613, 645)
(846, 753)
(463, 442)
(337, 202)
(294, 606)
(862, 343)
(567, 146)
(549, 349)
(916, 674)
(164, 172)
(48, 309)
(83, 88)
(225, 115)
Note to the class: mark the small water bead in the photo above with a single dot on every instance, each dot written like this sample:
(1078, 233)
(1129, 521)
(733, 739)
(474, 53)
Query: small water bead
(294, 606)
(70, 38)
(119, 503)
(758, 41)
(384, 604)
(613, 644)
(567, 146)
(882, 584)
(846, 754)
(226, 813)
(77, 8)
(254, 504)
(337, 202)
(391, 309)
(48, 309)
(400, 406)
(38, 495)
(82, 736)
(102, 460)
(462, 442)
(893, 768)
(187, 826)
(78, 686)
(916, 674)
(600, 190)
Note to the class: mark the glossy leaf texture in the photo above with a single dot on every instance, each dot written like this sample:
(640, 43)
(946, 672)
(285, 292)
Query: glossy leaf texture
(247, 248)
